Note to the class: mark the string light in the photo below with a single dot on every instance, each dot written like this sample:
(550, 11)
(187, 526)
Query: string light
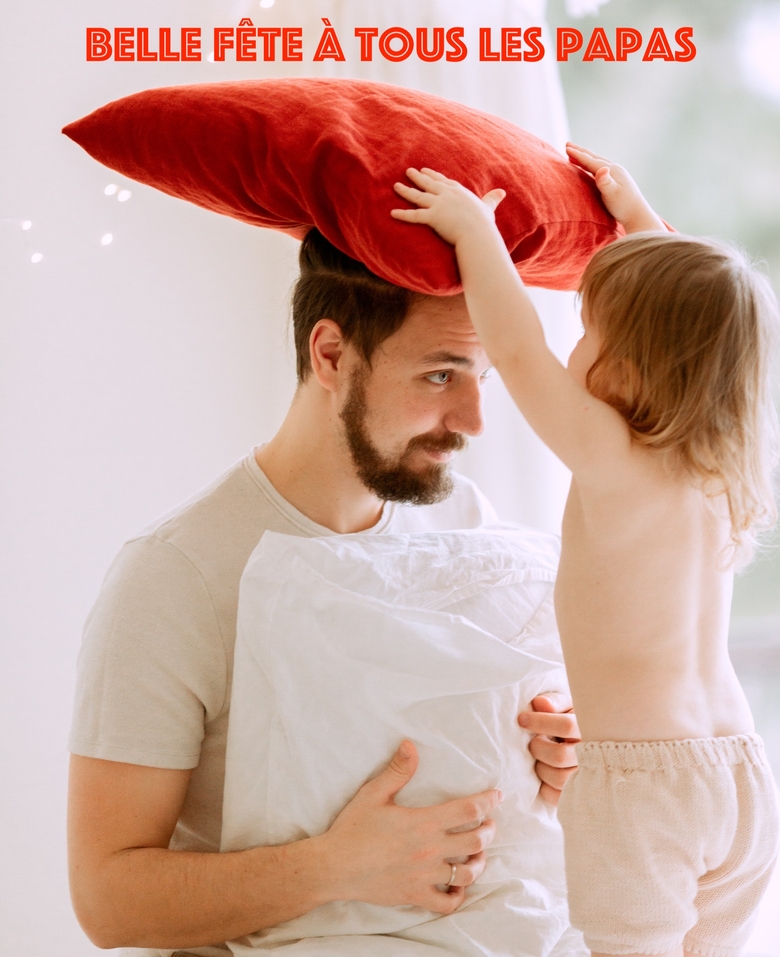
(112, 189)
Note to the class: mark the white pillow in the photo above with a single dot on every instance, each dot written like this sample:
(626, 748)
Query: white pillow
(348, 644)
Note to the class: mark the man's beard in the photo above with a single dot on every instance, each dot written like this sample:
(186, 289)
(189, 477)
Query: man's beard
(392, 479)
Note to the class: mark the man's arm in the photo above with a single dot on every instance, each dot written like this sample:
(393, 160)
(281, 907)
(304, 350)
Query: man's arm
(130, 890)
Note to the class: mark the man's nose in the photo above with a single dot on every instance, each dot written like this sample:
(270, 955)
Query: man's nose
(465, 414)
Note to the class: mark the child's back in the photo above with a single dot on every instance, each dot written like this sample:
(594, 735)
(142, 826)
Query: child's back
(642, 600)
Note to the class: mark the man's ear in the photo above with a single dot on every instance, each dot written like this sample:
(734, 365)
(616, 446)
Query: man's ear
(326, 354)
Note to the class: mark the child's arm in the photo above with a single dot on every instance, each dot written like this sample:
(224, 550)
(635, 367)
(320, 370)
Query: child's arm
(582, 431)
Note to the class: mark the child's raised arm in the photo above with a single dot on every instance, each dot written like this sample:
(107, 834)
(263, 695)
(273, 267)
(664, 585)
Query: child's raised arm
(585, 433)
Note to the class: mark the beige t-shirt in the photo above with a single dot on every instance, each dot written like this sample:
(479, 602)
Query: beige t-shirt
(155, 667)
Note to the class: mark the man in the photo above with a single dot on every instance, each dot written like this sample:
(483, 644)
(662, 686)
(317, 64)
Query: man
(389, 385)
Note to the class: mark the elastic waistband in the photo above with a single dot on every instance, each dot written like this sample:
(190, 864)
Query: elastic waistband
(663, 755)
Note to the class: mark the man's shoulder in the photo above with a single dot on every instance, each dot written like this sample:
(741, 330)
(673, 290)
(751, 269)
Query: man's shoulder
(465, 507)
(214, 501)
(221, 522)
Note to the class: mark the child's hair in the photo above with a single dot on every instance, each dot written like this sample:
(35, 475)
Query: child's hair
(688, 327)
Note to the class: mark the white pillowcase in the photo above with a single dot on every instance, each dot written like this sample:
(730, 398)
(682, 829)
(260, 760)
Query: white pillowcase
(347, 645)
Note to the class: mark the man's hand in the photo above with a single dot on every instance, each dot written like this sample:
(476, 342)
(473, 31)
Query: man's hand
(382, 853)
(620, 194)
(130, 890)
(445, 205)
(555, 733)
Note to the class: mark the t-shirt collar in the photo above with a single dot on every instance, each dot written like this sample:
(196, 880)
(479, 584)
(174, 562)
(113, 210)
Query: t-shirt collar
(296, 517)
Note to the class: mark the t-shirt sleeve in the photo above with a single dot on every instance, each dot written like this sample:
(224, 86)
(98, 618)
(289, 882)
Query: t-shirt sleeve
(152, 668)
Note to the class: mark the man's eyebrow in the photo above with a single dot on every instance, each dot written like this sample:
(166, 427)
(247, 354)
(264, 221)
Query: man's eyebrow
(447, 358)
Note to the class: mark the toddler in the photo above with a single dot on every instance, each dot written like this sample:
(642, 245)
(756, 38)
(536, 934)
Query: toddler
(664, 417)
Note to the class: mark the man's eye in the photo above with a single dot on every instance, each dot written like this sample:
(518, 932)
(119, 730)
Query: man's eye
(439, 378)
(486, 374)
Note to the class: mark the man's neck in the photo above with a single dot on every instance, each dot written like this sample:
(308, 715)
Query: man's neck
(309, 464)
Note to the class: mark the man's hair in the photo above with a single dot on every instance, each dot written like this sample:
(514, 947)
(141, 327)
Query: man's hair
(334, 286)
(688, 327)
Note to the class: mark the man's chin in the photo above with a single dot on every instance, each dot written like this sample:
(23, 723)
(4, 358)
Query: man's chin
(411, 487)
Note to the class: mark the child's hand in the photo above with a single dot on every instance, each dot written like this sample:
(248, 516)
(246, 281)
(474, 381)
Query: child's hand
(445, 205)
(619, 192)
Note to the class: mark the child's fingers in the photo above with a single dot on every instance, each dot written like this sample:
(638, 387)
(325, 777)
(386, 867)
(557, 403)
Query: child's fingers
(494, 197)
(587, 160)
(424, 179)
(604, 178)
(416, 196)
(410, 215)
(433, 174)
(584, 151)
(584, 160)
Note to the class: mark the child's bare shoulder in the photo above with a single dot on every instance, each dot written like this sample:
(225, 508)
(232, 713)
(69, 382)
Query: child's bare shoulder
(646, 488)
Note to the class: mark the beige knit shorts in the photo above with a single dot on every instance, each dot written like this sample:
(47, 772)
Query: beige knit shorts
(669, 843)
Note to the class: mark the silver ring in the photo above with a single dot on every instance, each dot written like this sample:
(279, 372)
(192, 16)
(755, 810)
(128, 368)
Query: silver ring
(453, 872)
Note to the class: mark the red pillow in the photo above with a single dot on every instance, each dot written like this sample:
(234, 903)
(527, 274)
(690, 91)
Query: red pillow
(291, 154)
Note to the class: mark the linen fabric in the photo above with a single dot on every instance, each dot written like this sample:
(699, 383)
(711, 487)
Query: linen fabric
(156, 662)
(346, 646)
(294, 153)
(669, 843)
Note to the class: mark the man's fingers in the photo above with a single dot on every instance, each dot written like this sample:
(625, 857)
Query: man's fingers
(562, 726)
(551, 715)
(466, 873)
(556, 754)
(549, 794)
(443, 902)
(471, 842)
(398, 772)
(554, 777)
(552, 701)
(464, 811)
